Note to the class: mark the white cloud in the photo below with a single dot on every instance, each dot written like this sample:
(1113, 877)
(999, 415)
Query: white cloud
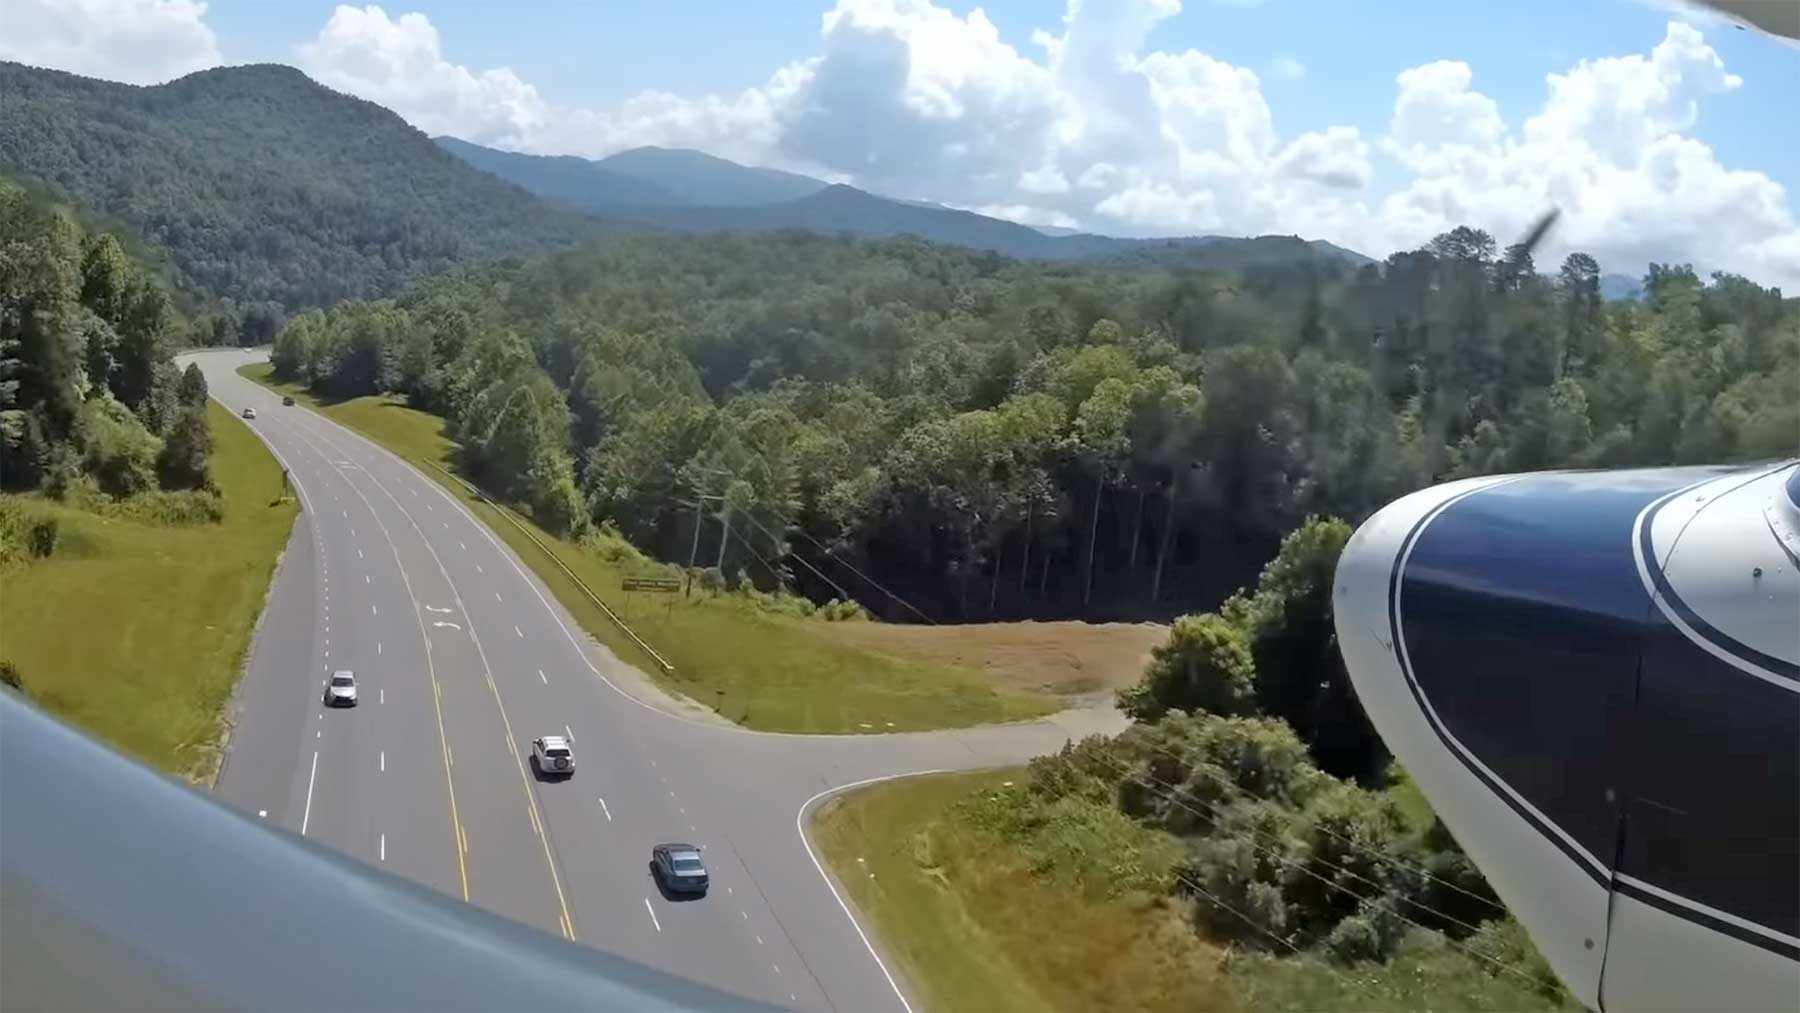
(139, 41)
(1025, 214)
(399, 63)
(1335, 156)
(1608, 147)
(1090, 128)
(1287, 67)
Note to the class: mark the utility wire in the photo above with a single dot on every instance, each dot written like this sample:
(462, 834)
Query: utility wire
(848, 565)
(1352, 842)
(1149, 782)
(843, 594)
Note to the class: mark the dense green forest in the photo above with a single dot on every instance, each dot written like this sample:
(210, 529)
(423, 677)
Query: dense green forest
(91, 403)
(264, 187)
(992, 437)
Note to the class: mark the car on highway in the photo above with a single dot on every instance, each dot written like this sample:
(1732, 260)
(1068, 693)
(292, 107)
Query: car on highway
(249, 413)
(340, 689)
(551, 756)
(678, 868)
(288, 400)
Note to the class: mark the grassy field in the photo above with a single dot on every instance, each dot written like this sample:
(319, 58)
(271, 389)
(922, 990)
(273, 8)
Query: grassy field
(762, 671)
(136, 631)
(974, 929)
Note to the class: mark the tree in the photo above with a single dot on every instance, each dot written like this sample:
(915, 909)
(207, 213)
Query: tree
(1101, 441)
(182, 461)
(1204, 665)
(192, 391)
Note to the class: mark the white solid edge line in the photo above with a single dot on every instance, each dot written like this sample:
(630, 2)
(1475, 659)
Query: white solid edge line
(652, 911)
(306, 817)
(800, 828)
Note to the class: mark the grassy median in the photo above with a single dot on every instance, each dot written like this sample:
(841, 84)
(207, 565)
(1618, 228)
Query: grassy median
(762, 671)
(136, 630)
(973, 928)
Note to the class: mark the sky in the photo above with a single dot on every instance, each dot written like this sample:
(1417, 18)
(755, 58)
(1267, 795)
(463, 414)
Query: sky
(1661, 131)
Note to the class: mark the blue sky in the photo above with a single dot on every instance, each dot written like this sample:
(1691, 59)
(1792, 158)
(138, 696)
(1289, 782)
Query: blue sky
(598, 53)
(1666, 134)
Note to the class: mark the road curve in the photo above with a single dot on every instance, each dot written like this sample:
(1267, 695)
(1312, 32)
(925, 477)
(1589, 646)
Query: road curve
(463, 657)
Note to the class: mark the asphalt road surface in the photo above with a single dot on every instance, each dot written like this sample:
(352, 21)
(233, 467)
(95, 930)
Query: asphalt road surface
(462, 658)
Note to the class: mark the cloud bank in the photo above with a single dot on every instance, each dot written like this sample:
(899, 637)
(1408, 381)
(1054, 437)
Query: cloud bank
(1085, 126)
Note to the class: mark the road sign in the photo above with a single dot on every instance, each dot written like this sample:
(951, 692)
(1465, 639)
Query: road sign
(663, 584)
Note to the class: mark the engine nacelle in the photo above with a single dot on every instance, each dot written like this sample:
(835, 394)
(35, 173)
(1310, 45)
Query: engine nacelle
(1595, 679)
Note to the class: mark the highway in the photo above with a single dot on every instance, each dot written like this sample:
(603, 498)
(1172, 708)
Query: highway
(462, 658)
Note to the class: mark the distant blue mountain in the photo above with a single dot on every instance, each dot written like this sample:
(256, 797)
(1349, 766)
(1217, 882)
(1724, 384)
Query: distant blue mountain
(681, 190)
(1620, 286)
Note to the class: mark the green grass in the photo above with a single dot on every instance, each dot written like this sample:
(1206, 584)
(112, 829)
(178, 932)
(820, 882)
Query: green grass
(762, 671)
(974, 928)
(136, 631)
(978, 921)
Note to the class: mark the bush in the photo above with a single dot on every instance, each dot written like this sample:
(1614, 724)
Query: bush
(1503, 940)
(1204, 665)
(23, 534)
(835, 611)
(10, 678)
(116, 448)
(40, 536)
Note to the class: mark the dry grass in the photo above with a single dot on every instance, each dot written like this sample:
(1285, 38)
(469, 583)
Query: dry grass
(1061, 658)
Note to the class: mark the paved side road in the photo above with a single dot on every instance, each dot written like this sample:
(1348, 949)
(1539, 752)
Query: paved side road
(462, 658)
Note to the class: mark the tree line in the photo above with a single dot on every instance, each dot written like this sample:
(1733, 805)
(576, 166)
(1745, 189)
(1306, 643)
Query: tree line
(992, 437)
(91, 402)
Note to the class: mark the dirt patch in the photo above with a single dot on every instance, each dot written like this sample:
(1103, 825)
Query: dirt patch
(1064, 658)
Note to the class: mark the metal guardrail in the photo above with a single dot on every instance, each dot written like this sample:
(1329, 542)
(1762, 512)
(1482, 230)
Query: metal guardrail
(668, 669)
(122, 889)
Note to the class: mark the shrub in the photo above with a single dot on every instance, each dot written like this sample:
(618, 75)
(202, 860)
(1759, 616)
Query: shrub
(40, 536)
(117, 450)
(1204, 665)
(10, 678)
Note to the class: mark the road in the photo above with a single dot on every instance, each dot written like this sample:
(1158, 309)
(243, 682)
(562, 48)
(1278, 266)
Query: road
(462, 658)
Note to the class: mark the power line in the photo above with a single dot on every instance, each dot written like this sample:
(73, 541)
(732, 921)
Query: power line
(847, 564)
(845, 595)
(1147, 782)
(1352, 842)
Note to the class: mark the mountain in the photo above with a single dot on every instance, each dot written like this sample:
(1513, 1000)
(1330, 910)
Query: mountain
(566, 179)
(690, 191)
(1620, 286)
(695, 177)
(260, 184)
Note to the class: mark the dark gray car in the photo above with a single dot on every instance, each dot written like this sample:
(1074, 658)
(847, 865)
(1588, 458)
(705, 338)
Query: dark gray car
(678, 868)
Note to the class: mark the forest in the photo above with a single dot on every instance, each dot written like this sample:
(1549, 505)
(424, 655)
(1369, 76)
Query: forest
(92, 407)
(263, 187)
(938, 431)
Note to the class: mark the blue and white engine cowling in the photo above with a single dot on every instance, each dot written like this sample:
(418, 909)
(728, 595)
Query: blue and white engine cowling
(1595, 679)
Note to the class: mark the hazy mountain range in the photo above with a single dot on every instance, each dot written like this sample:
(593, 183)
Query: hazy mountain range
(691, 191)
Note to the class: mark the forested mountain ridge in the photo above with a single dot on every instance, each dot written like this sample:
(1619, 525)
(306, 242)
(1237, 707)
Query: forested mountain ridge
(263, 185)
(996, 437)
(695, 177)
(566, 179)
(695, 192)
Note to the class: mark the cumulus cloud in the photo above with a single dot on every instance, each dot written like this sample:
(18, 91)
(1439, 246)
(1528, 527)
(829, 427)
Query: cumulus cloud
(1089, 127)
(1608, 147)
(399, 63)
(139, 41)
